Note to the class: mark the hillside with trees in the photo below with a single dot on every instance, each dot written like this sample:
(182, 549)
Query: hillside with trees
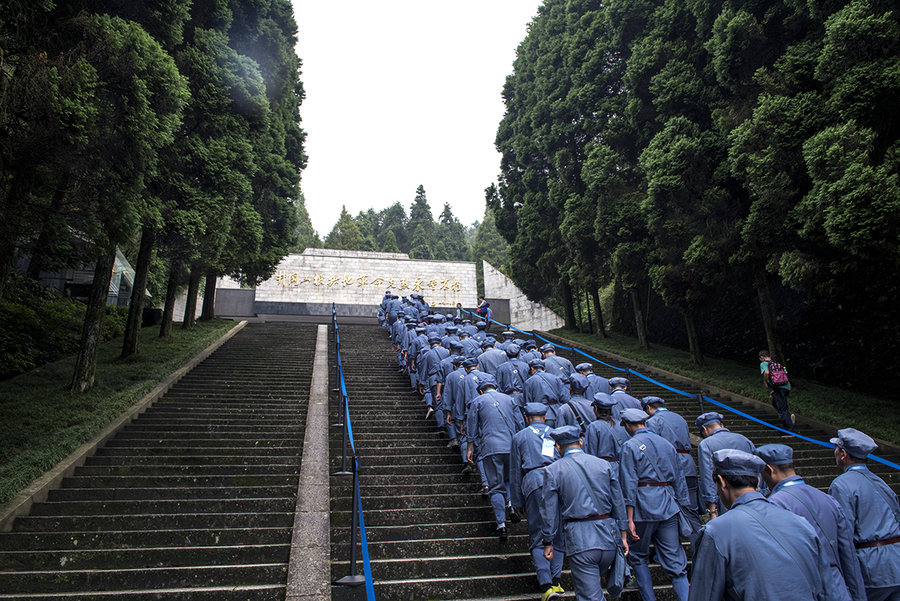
(167, 128)
(728, 173)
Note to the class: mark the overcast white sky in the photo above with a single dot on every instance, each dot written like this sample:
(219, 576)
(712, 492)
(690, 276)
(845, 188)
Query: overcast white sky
(401, 93)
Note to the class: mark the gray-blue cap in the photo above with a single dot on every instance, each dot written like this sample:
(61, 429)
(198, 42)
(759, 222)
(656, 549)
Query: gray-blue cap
(578, 383)
(731, 462)
(434, 340)
(470, 362)
(548, 348)
(455, 346)
(565, 434)
(535, 409)
(649, 400)
(603, 400)
(513, 350)
(856, 443)
(485, 381)
(619, 381)
(634, 416)
(776, 454)
(536, 364)
(710, 417)
(584, 367)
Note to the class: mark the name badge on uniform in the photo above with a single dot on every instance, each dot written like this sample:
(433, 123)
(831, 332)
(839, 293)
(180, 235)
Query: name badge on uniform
(548, 447)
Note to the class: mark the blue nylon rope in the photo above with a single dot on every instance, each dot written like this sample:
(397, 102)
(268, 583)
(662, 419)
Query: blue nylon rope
(367, 565)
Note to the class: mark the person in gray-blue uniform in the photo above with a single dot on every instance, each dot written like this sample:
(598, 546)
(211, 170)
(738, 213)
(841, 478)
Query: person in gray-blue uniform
(449, 336)
(620, 394)
(433, 326)
(872, 508)
(577, 411)
(582, 498)
(480, 334)
(417, 346)
(654, 491)
(491, 422)
(757, 551)
(507, 339)
(823, 513)
(490, 358)
(471, 348)
(449, 393)
(715, 437)
(554, 364)
(674, 428)
(444, 393)
(511, 375)
(595, 383)
(429, 367)
(393, 309)
(468, 327)
(407, 336)
(541, 387)
(604, 437)
(531, 351)
(466, 392)
(532, 450)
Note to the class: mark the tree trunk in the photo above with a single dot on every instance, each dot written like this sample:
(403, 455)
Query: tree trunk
(639, 320)
(568, 305)
(86, 362)
(138, 292)
(767, 308)
(598, 314)
(209, 297)
(693, 339)
(579, 314)
(190, 303)
(165, 328)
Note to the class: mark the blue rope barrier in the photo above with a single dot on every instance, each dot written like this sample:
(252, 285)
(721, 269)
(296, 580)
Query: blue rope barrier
(686, 394)
(367, 564)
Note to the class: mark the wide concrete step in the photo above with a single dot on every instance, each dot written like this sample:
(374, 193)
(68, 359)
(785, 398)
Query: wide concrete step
(230, 592)
(193, 493)
(140, 523)
(146, 557)
(52, 581)
(25, 541)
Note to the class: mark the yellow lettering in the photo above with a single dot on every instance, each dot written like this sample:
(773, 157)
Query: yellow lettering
(281, 278)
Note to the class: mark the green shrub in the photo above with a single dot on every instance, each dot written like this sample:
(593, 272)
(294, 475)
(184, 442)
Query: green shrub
(39, 325)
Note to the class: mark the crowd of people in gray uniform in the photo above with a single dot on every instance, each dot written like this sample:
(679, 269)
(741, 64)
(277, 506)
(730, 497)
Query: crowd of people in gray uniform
(600, 475)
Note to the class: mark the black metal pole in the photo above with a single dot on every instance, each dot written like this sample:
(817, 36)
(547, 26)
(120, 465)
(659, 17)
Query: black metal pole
(353, 579)
(344, 471)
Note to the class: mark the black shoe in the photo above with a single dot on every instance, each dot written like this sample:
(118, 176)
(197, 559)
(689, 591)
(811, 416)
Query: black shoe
(485, 492)
(429, 413)
(512, 517)
(468, 469)
(502, 536)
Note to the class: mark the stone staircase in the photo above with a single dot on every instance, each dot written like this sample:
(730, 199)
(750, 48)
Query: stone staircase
(429, 529)
(193, 500)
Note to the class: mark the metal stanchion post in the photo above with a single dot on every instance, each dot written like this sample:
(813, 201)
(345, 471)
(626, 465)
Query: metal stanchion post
(353, 579)
(700, 401)
(344, 471)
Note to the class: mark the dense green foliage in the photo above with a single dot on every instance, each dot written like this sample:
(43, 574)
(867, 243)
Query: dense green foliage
(39, 325)
(167, 128)
(731, 168)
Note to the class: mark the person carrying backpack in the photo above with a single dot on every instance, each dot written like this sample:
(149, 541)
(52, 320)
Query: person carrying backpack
(775, 378)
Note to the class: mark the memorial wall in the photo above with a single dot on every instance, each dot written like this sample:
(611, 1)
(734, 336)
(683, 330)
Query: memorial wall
(307, 284)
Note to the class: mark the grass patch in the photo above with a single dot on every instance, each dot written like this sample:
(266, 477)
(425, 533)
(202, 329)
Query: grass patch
(876, 416)
(41, 422)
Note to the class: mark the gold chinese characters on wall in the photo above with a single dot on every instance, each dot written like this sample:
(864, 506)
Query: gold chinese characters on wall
(421, 284)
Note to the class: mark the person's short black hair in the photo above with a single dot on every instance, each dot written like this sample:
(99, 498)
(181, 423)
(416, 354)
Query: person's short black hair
(740, 481)
(764, 353)
(785, 467)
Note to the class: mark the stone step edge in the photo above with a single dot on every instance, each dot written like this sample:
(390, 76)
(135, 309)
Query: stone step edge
(155, 591)
(38, 489)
